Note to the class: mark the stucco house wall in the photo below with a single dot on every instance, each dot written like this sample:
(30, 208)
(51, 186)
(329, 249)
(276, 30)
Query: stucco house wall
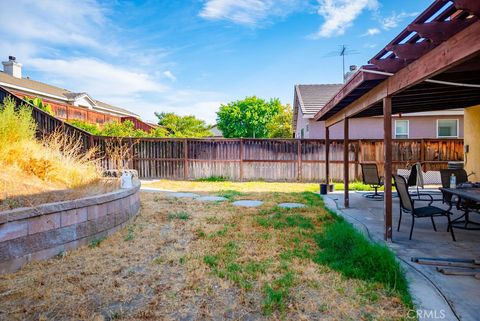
(472, 139)
(372, 127)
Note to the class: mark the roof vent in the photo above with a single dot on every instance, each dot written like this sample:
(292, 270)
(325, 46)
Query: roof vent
(350, 73)
(12, 67)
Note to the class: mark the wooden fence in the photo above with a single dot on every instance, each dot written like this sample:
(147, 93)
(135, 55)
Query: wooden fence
(277, 159)
(257, 159)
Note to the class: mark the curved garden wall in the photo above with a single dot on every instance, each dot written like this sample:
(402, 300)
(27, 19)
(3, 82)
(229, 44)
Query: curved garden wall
(44, 231)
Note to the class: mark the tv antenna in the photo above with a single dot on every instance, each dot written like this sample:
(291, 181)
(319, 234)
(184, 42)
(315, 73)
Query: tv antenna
(342, 52)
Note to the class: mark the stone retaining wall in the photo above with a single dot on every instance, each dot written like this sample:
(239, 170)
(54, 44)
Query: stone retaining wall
(44, 231)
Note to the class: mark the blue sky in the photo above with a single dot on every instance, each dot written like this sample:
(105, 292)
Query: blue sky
(191, 56)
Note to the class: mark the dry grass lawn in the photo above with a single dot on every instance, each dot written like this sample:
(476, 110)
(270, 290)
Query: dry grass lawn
(190, 260)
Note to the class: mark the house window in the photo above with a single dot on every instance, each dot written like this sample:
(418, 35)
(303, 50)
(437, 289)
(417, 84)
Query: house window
(307, 128)
(302, 133)
(447, 128)
(401, 128)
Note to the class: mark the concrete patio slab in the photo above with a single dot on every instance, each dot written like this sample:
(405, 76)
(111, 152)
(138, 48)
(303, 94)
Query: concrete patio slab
(454, 296)
(212, 199)
(291, 205)
(183, 195)
(247, 203)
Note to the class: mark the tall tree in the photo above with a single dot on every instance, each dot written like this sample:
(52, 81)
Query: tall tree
(281, 124)
(250, 117)
(183, 126)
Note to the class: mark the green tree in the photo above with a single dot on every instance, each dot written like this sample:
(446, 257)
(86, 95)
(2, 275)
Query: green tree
(281, 124)
(183, 126)
(249, 117)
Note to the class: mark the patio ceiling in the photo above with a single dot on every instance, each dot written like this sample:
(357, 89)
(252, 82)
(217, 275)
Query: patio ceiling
(441, 44)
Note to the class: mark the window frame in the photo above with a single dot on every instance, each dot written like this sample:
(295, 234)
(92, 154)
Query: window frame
(458, 127)
(408, 128)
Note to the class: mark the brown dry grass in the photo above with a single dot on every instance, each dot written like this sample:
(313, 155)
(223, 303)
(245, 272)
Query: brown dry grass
(156, 270)
(34, 171)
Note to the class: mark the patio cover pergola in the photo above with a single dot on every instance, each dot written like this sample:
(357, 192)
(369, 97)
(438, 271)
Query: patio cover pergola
(433, 64)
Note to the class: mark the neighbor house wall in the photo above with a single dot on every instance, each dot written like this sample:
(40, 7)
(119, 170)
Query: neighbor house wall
(472, 139)
(372, 127)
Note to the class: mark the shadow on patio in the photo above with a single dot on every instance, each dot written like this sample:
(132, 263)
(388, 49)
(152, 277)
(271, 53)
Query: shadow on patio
(461, 292)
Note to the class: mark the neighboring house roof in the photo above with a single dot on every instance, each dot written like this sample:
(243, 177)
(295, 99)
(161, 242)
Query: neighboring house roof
(311, 98)
(101, 104)
(40, 88)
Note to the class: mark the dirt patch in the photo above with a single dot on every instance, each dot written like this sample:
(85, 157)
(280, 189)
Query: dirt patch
(188, 260)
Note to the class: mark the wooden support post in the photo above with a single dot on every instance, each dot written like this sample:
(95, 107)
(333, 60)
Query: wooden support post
(185, 159)
(387, 147)
(327, 155)
(422, 155)
(241, 159)
(299, 160)
(346, 163)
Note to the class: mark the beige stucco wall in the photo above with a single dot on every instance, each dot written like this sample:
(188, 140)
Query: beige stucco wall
(372, 127)
(472, 139)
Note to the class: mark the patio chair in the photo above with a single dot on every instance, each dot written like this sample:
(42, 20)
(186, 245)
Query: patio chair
(370, 177)
(407, 205)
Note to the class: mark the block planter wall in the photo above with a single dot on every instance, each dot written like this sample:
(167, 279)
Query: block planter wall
(44, 231)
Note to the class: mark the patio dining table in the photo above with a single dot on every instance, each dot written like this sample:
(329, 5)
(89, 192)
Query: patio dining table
(471, 201)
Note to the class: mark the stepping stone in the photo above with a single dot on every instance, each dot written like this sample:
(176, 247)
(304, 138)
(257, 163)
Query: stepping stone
(247, 203)
(291, 205)
(211, 199)
(184, 195)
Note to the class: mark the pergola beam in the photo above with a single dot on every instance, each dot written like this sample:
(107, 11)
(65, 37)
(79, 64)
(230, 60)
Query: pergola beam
(439, 31)
(472, 6)
(454, 51)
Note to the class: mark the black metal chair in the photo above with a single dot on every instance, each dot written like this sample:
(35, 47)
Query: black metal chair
(465, 206)
(370, 177)
(407, 205)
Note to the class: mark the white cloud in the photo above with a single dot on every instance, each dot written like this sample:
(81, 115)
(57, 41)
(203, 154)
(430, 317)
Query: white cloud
(72, 44)
(340, 14)
(67, 22)
(133, 90)
(394, 19)
(248, 12)
(96, 77)
(372, 32)
(169, 75)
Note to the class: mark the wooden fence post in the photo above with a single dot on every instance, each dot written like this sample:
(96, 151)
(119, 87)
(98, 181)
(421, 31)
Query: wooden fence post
(185, 159)
(241, 159)
(357, 151)
(422, 155)
(299, 160)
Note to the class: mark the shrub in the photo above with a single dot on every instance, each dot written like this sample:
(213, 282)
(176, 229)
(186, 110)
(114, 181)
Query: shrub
(38, 102)
(93, 129)
(15, 126)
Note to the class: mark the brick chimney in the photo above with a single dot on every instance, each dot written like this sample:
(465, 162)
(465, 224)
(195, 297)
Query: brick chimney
(12, 67)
